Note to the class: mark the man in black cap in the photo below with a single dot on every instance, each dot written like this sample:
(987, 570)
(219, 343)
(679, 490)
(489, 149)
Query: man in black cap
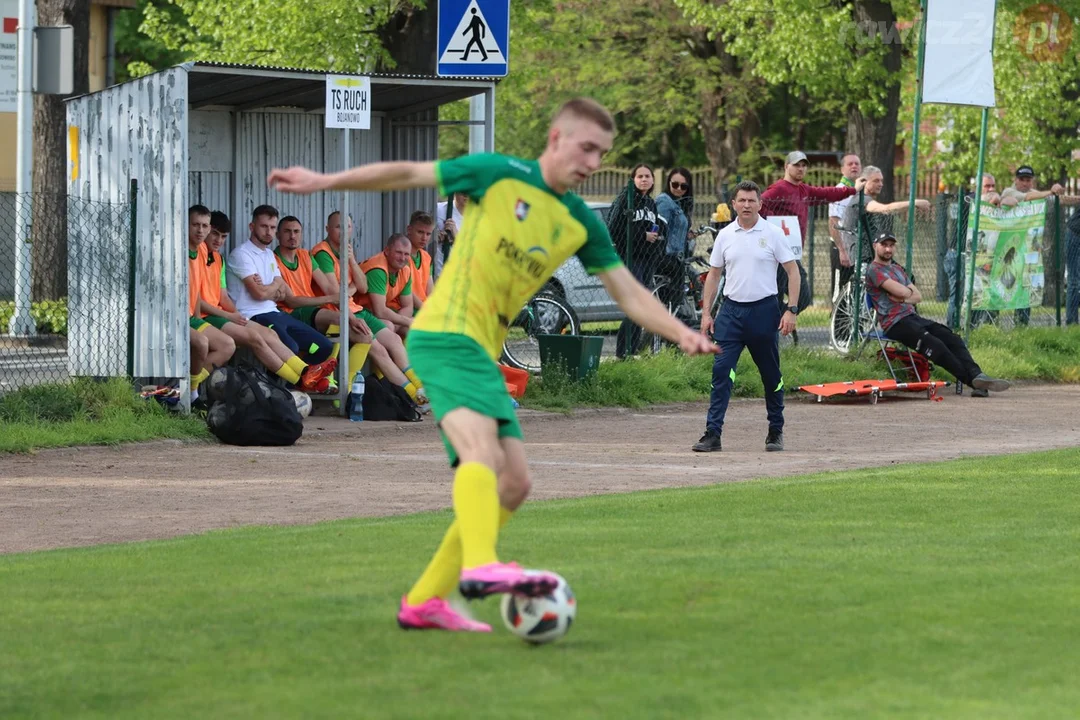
(895, 296)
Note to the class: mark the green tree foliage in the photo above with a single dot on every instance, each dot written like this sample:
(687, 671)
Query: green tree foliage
(1037, 118)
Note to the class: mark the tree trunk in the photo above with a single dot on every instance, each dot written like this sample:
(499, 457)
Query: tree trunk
(49, 232)
(411, 38)
(728, 119)
(873, 138)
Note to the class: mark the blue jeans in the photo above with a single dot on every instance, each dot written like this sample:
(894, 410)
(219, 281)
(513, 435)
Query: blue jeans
(1072, 290)
(753, 326)
(297, 336)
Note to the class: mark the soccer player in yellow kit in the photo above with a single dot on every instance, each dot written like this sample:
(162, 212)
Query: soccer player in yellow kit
(523, 223)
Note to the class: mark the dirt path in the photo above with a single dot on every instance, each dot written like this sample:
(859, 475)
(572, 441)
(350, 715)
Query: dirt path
(86, 496)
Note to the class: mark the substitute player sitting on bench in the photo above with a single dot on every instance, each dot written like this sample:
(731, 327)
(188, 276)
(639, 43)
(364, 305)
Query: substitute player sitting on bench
(304, 278)
(390, 282)
(894, 297)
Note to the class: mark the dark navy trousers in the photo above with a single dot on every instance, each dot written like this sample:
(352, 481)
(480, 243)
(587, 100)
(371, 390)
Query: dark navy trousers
(754, 326)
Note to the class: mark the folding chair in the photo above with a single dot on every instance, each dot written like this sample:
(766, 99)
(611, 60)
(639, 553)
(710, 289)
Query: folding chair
(884, 341)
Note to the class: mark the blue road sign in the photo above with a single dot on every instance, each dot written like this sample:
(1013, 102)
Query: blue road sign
(474, 38)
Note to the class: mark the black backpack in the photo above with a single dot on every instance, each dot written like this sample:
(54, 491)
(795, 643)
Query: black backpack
(250, 407)
(383, 400)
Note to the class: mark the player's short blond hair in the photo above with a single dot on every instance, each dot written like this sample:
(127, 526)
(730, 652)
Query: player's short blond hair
(586, 109)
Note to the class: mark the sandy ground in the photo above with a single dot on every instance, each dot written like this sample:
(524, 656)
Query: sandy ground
(86, 496)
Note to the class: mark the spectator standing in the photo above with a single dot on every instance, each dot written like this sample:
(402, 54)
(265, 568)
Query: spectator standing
(448, 218)
(640, 251)
(851, 167)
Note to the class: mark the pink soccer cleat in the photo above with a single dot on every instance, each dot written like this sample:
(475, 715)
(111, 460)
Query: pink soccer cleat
(436, 614)
(497, 577)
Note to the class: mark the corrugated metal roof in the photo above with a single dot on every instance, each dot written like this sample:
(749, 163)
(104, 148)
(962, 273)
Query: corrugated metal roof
(250, 87)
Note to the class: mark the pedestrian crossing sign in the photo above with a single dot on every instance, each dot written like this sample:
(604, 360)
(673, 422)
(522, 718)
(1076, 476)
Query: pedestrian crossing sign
(474, 37)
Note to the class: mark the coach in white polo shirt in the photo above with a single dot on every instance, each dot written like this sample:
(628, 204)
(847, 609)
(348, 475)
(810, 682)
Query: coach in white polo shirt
(747, 252)
(255, 283)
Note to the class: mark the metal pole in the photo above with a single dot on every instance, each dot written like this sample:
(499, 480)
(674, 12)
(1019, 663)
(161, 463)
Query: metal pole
(21, 323)
(975, 210)
(961, 247)
(810, 235)
(912, 181)
(1057, 259)
(858, 294)
(344, 378)
(476, 132)
(133, 204)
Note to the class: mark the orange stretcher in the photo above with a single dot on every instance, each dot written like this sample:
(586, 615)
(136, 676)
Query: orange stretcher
(873, 388)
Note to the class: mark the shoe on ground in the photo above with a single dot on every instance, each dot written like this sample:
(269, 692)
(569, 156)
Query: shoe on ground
(982, 381)
(709, 442)
(493, 578)
(436, 614)
(315, 376)
(976, 392)
(774, 442)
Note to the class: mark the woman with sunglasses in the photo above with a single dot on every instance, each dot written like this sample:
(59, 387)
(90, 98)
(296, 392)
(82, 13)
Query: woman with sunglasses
(640, 251)
(676, 207)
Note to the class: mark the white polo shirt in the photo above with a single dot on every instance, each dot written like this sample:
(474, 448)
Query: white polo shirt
(838, 208)
(247, 260)
(749, 259)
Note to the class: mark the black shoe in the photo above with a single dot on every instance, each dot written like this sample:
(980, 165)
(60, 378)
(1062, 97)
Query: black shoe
(775, 441)
(982, 381)
(709, 442)
(977, 392)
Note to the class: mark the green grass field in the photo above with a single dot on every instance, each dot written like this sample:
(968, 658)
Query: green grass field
(945, 590)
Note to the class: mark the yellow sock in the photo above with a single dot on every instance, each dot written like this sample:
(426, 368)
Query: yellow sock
(333, 330)
(298, 366)
(411, 389)
(336, 351)
(411, 374)
(443, 572)
(196, 379)
(357, 355)
(379, 373)
(287, 374)
(476, 506)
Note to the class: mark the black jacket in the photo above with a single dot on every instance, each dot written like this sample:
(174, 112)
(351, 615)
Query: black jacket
(641, 218)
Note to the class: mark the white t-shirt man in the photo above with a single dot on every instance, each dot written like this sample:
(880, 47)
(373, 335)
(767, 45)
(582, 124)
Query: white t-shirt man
(440, 219)
(749, 259)
(247, 260)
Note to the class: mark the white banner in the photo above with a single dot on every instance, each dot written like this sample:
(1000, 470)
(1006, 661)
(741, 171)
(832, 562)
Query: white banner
(959, 61)
(789, 225)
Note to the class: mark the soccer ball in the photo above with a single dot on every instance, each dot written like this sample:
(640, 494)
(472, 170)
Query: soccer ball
(215, 384)
(303, 403)
(542, 619)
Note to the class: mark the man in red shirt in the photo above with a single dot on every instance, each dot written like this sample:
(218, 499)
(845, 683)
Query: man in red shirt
(791, 196)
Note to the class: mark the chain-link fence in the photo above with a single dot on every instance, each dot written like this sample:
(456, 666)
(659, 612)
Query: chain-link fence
(1018, 274)
(65, 275)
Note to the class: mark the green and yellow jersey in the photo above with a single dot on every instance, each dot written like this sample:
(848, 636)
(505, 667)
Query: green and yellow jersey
(516, 234)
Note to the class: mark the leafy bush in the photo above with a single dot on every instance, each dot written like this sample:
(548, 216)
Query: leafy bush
(50, 316)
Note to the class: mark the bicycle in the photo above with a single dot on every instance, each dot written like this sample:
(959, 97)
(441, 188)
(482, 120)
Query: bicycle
(683, 293)
(842, 323)
(543, 315)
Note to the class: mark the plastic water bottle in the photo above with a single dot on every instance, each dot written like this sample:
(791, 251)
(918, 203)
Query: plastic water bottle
(356, 398)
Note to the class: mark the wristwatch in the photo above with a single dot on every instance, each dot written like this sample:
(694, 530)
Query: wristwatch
(793, 309)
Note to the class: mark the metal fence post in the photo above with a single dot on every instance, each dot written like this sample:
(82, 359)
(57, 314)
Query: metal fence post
(133, 205)
(857, 296)
(810, 242)
(942, 245)
(961, 245)
(1058, 273)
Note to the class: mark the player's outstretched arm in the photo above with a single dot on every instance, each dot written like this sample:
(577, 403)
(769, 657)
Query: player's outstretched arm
(376, 176)
(646, 311)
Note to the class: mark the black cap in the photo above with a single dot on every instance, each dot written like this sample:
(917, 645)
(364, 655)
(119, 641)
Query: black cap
(885, 237)
(1025, 171)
